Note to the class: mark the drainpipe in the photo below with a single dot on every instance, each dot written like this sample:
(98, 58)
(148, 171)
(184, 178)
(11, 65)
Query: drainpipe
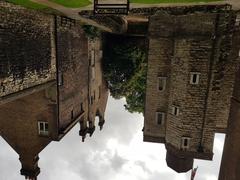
(57, 73)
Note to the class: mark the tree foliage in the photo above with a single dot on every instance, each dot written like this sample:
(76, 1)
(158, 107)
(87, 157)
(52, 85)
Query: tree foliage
(92, 32)
(125, 70)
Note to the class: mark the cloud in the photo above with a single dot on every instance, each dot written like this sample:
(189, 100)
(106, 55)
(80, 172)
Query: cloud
(117, 162)
(116, 153)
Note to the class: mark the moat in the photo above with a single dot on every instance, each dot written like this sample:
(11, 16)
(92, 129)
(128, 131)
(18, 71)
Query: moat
(154, 94)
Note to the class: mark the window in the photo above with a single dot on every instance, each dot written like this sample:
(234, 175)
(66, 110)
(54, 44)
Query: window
(185, 143)
(72, 115)
(99, 92)
(43, 128)
(100, 54)
(194, 78)
(162, 83)
(91, 100)
(175, 110)
(237, 20)
(160, 117)
(60, 78)
(92, 57)
(93, 73)
(81, 107)
(88, 124)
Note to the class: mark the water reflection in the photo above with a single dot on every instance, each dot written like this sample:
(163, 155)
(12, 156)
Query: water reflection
(55, 73)
(39, 103)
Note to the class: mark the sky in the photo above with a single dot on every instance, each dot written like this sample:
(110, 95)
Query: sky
(115, 153)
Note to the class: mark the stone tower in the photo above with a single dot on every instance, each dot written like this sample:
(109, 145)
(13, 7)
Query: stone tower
(190, 65)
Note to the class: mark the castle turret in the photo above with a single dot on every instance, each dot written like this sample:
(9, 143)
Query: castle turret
(91, 128)
(83, 130)
(101, 122)
(179, 164)
(30, 167)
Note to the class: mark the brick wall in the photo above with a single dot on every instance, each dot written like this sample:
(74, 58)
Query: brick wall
(19, 125)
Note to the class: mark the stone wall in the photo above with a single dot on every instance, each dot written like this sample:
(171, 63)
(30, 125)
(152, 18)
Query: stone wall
(166, 25)
(181, 10)
(25, 48)
(225, 65)
(19, 126)
(178, 45)
(159, 59)
(72, 58)
(98, 92)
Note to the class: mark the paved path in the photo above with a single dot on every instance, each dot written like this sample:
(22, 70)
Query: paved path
(235, 3)
(73, 12)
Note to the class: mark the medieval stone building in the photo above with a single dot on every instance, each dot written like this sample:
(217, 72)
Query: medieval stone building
(192, 61)
(22, 31)
(97, 92)
(58, 84)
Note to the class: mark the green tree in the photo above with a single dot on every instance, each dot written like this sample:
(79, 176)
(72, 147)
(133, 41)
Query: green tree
(125, 70)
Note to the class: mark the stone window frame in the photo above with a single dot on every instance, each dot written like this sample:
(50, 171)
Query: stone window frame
(94, 94)
(185, 143)
(100, 54)
(72, 114)
(60, 79)
(92, 57)
(43, 128)
(163, 117)
(91, 100)
(163, 80)
(175, 110)
(81, 107)
(237, 23)
(197, 74)
(99, 91)
(93, 72)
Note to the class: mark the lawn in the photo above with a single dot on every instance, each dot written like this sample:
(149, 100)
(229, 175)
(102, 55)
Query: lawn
(28, 4)
(72, 3)
(170, 1)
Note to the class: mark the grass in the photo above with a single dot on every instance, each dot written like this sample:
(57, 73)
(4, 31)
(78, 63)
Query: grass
(31, 5)
(28, 4)
(170, 1)
(72, 3)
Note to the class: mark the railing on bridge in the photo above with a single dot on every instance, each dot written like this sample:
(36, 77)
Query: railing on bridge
(107, 8)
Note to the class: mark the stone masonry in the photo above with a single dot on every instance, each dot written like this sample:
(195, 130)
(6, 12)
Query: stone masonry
(24, 31)
(179, 45)
(19, 127)
(56, 52)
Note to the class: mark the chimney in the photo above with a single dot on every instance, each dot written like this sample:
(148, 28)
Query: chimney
(179, 163)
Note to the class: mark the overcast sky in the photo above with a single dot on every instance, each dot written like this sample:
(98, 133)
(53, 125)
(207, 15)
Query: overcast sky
(116, 153)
